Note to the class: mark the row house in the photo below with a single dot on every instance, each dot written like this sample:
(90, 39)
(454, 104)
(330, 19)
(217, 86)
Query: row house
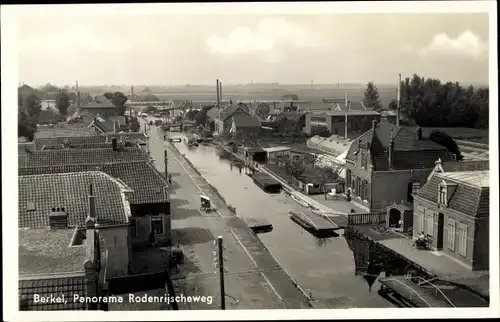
(388, 164)
(452, 210)
(61, 261)
(64, 201)
(148, 195)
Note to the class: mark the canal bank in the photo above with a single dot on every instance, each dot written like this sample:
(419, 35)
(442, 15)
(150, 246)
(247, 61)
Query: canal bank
(325, 269)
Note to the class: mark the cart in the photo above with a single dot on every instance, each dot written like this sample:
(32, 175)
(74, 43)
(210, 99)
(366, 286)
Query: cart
(206, 205)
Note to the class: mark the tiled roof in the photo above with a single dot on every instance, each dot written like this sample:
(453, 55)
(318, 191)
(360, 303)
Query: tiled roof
(228, 111)
(465, 165)
(25, 147)
(120, 120)
(67, 131)
(48, 251)
(289, 115)
(142, 177)
(468, 199)
(404, 141)
(83, 156)
(107, 145)
(212, 113)
(70, 191)
(242, 119)
(88, 140)
(45, 287)
(99, 102)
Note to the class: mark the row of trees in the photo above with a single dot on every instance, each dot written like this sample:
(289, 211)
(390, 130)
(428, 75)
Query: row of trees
(29, 108)
(430, 102)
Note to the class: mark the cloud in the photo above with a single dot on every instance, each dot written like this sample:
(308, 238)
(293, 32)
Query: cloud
(269, 40)
(466, 44)
(75, 39)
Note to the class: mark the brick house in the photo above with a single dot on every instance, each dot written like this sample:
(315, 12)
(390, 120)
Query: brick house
(67, 199)
(99, 105)
(59, 261)
(339, 121)
(148, 196)
(452, 210)
(244, 124)
(386, 164)
(223, 120)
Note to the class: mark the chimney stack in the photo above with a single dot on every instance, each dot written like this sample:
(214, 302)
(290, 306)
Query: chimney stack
(77, 97)
(374, 124)
(58, 219)
(391, 150)
(419, 133)
(398, 101)
(132, 92)
(114, 144)
(346, 102)
(345, 126)
(218, 92)
(92, 212)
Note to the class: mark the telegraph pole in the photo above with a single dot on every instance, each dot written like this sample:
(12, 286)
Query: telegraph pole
(219, 261)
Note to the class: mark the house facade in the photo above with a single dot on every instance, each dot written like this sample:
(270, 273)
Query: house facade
(341, 122)
(452, 210)
(71, 198)
(223, 120)
(244, 125)
(99, 105)
(393, 158)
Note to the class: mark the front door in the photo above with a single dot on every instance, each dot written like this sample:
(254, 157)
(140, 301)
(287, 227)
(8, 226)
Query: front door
(440, 234)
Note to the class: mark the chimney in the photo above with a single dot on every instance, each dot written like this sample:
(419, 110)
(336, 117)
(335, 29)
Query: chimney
(374, 124)
(345, 125)
(58, 219)
(218, 92)
(132, 92)
(77, 97)
(391, 150)
(419, 133)
(115, 144)
(398, 101)
(91, 218)
(346, 102)
(114, 127)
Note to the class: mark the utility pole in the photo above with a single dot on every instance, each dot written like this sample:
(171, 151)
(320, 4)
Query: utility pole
(399, 101)
(219, 261)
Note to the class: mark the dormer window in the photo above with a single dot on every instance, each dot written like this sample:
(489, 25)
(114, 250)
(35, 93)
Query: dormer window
(443, 194)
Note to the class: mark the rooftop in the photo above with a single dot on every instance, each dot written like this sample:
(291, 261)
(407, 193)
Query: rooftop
(52, 132)
(277, 149)
(141, 176)
(39, 194)
(45, 251)
(475, 178)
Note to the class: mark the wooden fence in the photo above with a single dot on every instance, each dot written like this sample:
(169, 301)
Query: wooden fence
(366, 218)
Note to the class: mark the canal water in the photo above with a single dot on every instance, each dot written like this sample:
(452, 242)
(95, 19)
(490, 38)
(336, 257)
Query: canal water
(323, 268)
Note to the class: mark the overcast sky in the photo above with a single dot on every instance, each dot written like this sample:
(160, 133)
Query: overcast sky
(195, 49)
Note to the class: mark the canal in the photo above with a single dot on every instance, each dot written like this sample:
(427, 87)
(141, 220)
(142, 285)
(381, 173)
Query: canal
(323, 268)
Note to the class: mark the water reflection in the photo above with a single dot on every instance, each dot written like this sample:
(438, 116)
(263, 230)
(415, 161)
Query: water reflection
(326, 266)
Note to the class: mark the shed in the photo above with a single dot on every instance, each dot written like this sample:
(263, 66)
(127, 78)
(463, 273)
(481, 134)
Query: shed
(399, 216)
(276, 154)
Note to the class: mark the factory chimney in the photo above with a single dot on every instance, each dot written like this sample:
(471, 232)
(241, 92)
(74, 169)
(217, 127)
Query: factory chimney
(220, 92)
(217, 89)
(132, 92)
(398, 115)
(77, 97)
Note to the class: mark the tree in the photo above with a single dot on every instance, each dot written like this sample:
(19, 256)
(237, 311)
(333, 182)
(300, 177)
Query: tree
(201, 117)
(62, 101)
(429, 102)
(118, 99)
(47, 88)
(371, 97)
(447, 141)
(393, 105)
(29, 108)
(320, 130)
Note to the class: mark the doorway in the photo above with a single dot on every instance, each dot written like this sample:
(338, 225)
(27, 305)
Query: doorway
(394, 218)
(440, 232)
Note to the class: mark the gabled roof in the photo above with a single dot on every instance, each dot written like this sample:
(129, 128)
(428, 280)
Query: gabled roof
(243, 119)
(141, 176)
(212, 113)
(66, 131)
(83, 156)
(99, 102)
(71, 191)
(404, 140)
(471, 196)
(228, 111)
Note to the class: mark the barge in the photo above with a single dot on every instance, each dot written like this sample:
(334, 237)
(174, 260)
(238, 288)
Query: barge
(314, 223)
(266, 182)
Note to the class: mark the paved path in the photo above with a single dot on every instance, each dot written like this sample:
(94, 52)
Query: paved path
(254, 278)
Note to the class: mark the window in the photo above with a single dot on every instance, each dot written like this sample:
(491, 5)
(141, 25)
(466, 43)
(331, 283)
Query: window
(157, 225)
(415, 187)
(429, 224)
(133, 227)
(462, 240)
(363, 160)
(366, 193)
(450, 240)
(442, 194)
(421, 220)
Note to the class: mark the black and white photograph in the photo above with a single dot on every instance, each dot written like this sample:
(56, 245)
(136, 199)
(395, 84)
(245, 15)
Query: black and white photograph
(250, 160)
